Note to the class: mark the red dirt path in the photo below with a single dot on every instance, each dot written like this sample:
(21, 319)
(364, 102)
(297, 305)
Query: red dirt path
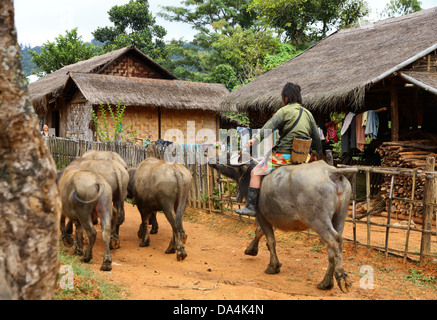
(217, 269)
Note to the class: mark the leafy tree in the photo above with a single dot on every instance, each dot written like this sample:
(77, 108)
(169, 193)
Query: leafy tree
(337, 14)
(65, 50)
(303, 21)
(225, 74)
(230, 46)
(401, 7)
(212, 15)
(245, 51)
(285, 53)
(230, 59)
(133, 24)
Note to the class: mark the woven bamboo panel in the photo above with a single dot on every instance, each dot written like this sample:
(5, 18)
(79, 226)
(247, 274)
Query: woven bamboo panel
(131, 67)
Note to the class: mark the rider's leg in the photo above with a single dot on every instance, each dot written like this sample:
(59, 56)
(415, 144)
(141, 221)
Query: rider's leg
(252, 196)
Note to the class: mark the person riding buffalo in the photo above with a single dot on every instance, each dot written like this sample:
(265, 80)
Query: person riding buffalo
(292, 120)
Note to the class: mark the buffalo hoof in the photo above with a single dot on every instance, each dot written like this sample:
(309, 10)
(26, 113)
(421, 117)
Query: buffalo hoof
(170, 250)
(106, 266)
(154, 231)
(344, 282)
(145, 243)
(184, 238)
(85, 259)
(273, 269)
(251, 251)
(78, 252)
(68, 241)
(114, 244)
(326, 284)
(181, 255)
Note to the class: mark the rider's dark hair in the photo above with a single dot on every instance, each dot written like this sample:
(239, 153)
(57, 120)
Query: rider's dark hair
(292, 92)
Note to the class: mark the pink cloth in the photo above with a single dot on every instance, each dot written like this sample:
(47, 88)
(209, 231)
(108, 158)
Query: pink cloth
(360, 132)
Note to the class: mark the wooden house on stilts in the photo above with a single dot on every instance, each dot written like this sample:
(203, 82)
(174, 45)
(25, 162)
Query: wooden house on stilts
(388, 65)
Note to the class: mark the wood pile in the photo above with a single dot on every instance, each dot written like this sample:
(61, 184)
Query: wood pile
(406, 154)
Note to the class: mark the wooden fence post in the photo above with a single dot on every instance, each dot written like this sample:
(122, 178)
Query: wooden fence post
(430, 199)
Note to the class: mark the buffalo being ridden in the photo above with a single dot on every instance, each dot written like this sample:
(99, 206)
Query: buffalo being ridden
(156, 185)
(298, 197)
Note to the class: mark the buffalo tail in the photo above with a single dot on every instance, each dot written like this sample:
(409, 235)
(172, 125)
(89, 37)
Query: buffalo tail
(99, 187)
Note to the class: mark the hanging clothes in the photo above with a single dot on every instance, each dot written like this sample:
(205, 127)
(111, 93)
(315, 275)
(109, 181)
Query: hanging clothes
(349, 138)
(360, 132)
(372, 124)
(347, 122)
(364, 121)
(321, 135)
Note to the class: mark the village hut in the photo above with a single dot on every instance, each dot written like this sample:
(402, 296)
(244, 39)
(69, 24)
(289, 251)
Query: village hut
(388, 66)
(158, 105)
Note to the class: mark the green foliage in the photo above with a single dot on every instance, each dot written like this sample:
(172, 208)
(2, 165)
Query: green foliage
(400, 7)
(242, 117)
(230, 59)
(225, 74)
(65, 50)
(286, 52)
(230, 46)
(417, 277)
(106, 132)
(208, 16)
(244, 51)
(304, 21)
(87, 285)
(133, 25)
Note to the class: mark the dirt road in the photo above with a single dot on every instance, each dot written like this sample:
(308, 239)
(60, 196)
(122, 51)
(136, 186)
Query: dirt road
(217, 269)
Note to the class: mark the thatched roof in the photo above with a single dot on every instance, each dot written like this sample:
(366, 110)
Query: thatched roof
(143, 92)
(50, 86)
(338, 70)
(425, 80)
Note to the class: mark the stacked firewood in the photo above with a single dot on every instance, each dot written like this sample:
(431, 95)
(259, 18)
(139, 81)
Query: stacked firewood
(405, 154)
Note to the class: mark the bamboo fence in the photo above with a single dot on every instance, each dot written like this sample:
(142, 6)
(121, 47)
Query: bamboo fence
(216, 193)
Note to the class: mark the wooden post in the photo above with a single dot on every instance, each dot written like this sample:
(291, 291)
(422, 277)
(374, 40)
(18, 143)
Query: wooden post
(394, 111)
(368, 208)
(389, 215)
(430, 198)
(354, 197)
(209, 187)
(409, 215)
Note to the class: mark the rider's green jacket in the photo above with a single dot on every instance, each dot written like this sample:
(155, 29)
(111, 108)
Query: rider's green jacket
(283, 119)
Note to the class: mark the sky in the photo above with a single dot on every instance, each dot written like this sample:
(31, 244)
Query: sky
(40, 21)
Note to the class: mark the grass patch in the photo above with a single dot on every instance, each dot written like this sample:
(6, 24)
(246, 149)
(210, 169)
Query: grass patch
(417, 277)
(77, 282)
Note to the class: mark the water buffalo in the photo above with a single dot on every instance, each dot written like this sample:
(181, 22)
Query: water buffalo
(104, 155)
(117, 177)
(86, 195)
(298, 197)
(156, 185)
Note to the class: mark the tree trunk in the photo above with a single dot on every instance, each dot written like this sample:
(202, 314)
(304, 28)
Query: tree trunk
(30, 203)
